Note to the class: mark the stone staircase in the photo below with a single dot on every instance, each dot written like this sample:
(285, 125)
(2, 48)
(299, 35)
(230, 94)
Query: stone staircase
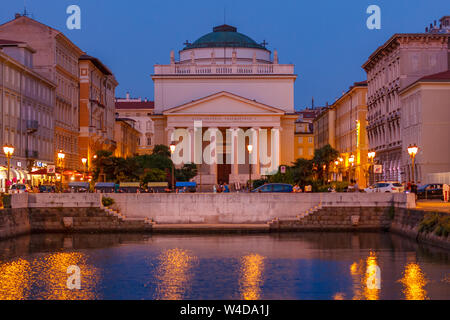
(144, 223)
(275, 223)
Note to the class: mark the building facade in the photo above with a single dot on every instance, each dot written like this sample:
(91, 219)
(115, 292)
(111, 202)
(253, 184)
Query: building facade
(351, 135)
(56, 58)
(97, 108)
(27, 102)
(140, 111)
(343, 126)
(226, 92)
(425, 122)
(399, 62)
(126, 137)
(304, 133)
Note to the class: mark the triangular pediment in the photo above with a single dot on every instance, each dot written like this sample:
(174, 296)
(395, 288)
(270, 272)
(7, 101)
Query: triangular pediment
(224, 103)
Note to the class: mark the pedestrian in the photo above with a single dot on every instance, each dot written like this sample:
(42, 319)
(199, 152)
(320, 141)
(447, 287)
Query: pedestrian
(226, 189)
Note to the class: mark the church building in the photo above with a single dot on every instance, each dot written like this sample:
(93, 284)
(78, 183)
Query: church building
(228, 106)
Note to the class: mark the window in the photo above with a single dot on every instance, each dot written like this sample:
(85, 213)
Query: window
(300, 140)
(300, 151)
(310, 140)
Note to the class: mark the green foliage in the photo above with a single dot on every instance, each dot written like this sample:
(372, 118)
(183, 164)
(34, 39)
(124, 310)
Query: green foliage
(6, 200)
(154, 175)
(279, 177)
(391, 212)
(433, 222)
(324, 157)
(302, 171)
(161, 150)
(107, 202)
(186, 173)
(258, 183)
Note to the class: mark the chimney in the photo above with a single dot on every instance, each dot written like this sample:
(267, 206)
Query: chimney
(426, 29)
(17, 15)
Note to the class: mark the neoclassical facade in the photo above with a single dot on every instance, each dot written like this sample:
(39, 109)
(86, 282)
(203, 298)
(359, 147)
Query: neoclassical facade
(401, 61)
(224, 93)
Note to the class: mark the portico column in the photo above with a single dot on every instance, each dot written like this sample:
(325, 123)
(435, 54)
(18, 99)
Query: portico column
(276, 144)
(255, 155)
(170, 131)
(213, 166)
(192, 145)
(234, 152)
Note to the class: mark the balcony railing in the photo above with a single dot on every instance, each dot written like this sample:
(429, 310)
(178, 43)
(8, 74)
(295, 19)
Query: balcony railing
(236, 69)
(32, 126)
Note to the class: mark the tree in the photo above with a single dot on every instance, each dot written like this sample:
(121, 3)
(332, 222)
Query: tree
(161, 150)
(186, 173)
(153, 175)
(302, 170)
(322, 159)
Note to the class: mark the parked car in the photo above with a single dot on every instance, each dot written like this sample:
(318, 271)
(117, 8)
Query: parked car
(430, 191)
(19, 188)
(46, 188)
(274, 187)
(386, 186)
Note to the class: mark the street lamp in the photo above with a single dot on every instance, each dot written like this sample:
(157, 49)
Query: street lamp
(371, 156)
(351, 160)
(250, 150)
(84, 161)
(61, 155)
(9, 151)
(412, 150)
(172, 151)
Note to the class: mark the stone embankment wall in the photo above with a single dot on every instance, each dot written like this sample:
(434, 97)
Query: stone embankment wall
(63, 213)
(407, 222)
(243, 207)
(14, 222)
(339, 219)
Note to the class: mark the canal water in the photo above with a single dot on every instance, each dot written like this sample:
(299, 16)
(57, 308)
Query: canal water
(272, 266)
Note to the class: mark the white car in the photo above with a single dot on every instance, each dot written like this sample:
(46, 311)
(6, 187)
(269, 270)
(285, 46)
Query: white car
(392, 187)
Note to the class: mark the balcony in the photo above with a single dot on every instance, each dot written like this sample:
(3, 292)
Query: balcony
(217, 69)
(31, 154)
(32, 126)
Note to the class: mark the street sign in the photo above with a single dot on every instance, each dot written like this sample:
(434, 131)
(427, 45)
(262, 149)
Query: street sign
(51, 169)
(378, 168)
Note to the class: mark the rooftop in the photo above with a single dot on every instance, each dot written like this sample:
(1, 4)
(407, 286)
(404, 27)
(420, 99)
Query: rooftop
(224, 36)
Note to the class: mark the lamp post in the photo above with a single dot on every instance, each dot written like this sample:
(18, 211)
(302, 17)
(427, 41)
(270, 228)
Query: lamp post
(412, 150)
(172, 151)
(84, 161)
(61, 155)
(250, 150)
(352, 161)
(371, 156)
(9, 151)
(336, 165)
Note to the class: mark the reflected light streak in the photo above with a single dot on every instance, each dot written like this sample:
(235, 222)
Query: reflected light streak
(52, 271)
(363, 271)
(14, 280)
(252, 268)
(414, 282)
(173, 274)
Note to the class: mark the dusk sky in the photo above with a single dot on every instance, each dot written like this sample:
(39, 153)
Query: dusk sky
(328, 41)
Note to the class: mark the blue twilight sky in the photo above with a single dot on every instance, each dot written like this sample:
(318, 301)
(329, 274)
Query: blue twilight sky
(327, 40)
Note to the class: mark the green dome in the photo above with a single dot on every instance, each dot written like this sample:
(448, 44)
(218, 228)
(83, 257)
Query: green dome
(224, 36)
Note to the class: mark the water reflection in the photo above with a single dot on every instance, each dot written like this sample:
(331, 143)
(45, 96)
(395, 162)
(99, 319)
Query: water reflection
(414, 282)
(14, 279)
(174, 274)
(366, 278)
(52, 271)
(251, 276)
